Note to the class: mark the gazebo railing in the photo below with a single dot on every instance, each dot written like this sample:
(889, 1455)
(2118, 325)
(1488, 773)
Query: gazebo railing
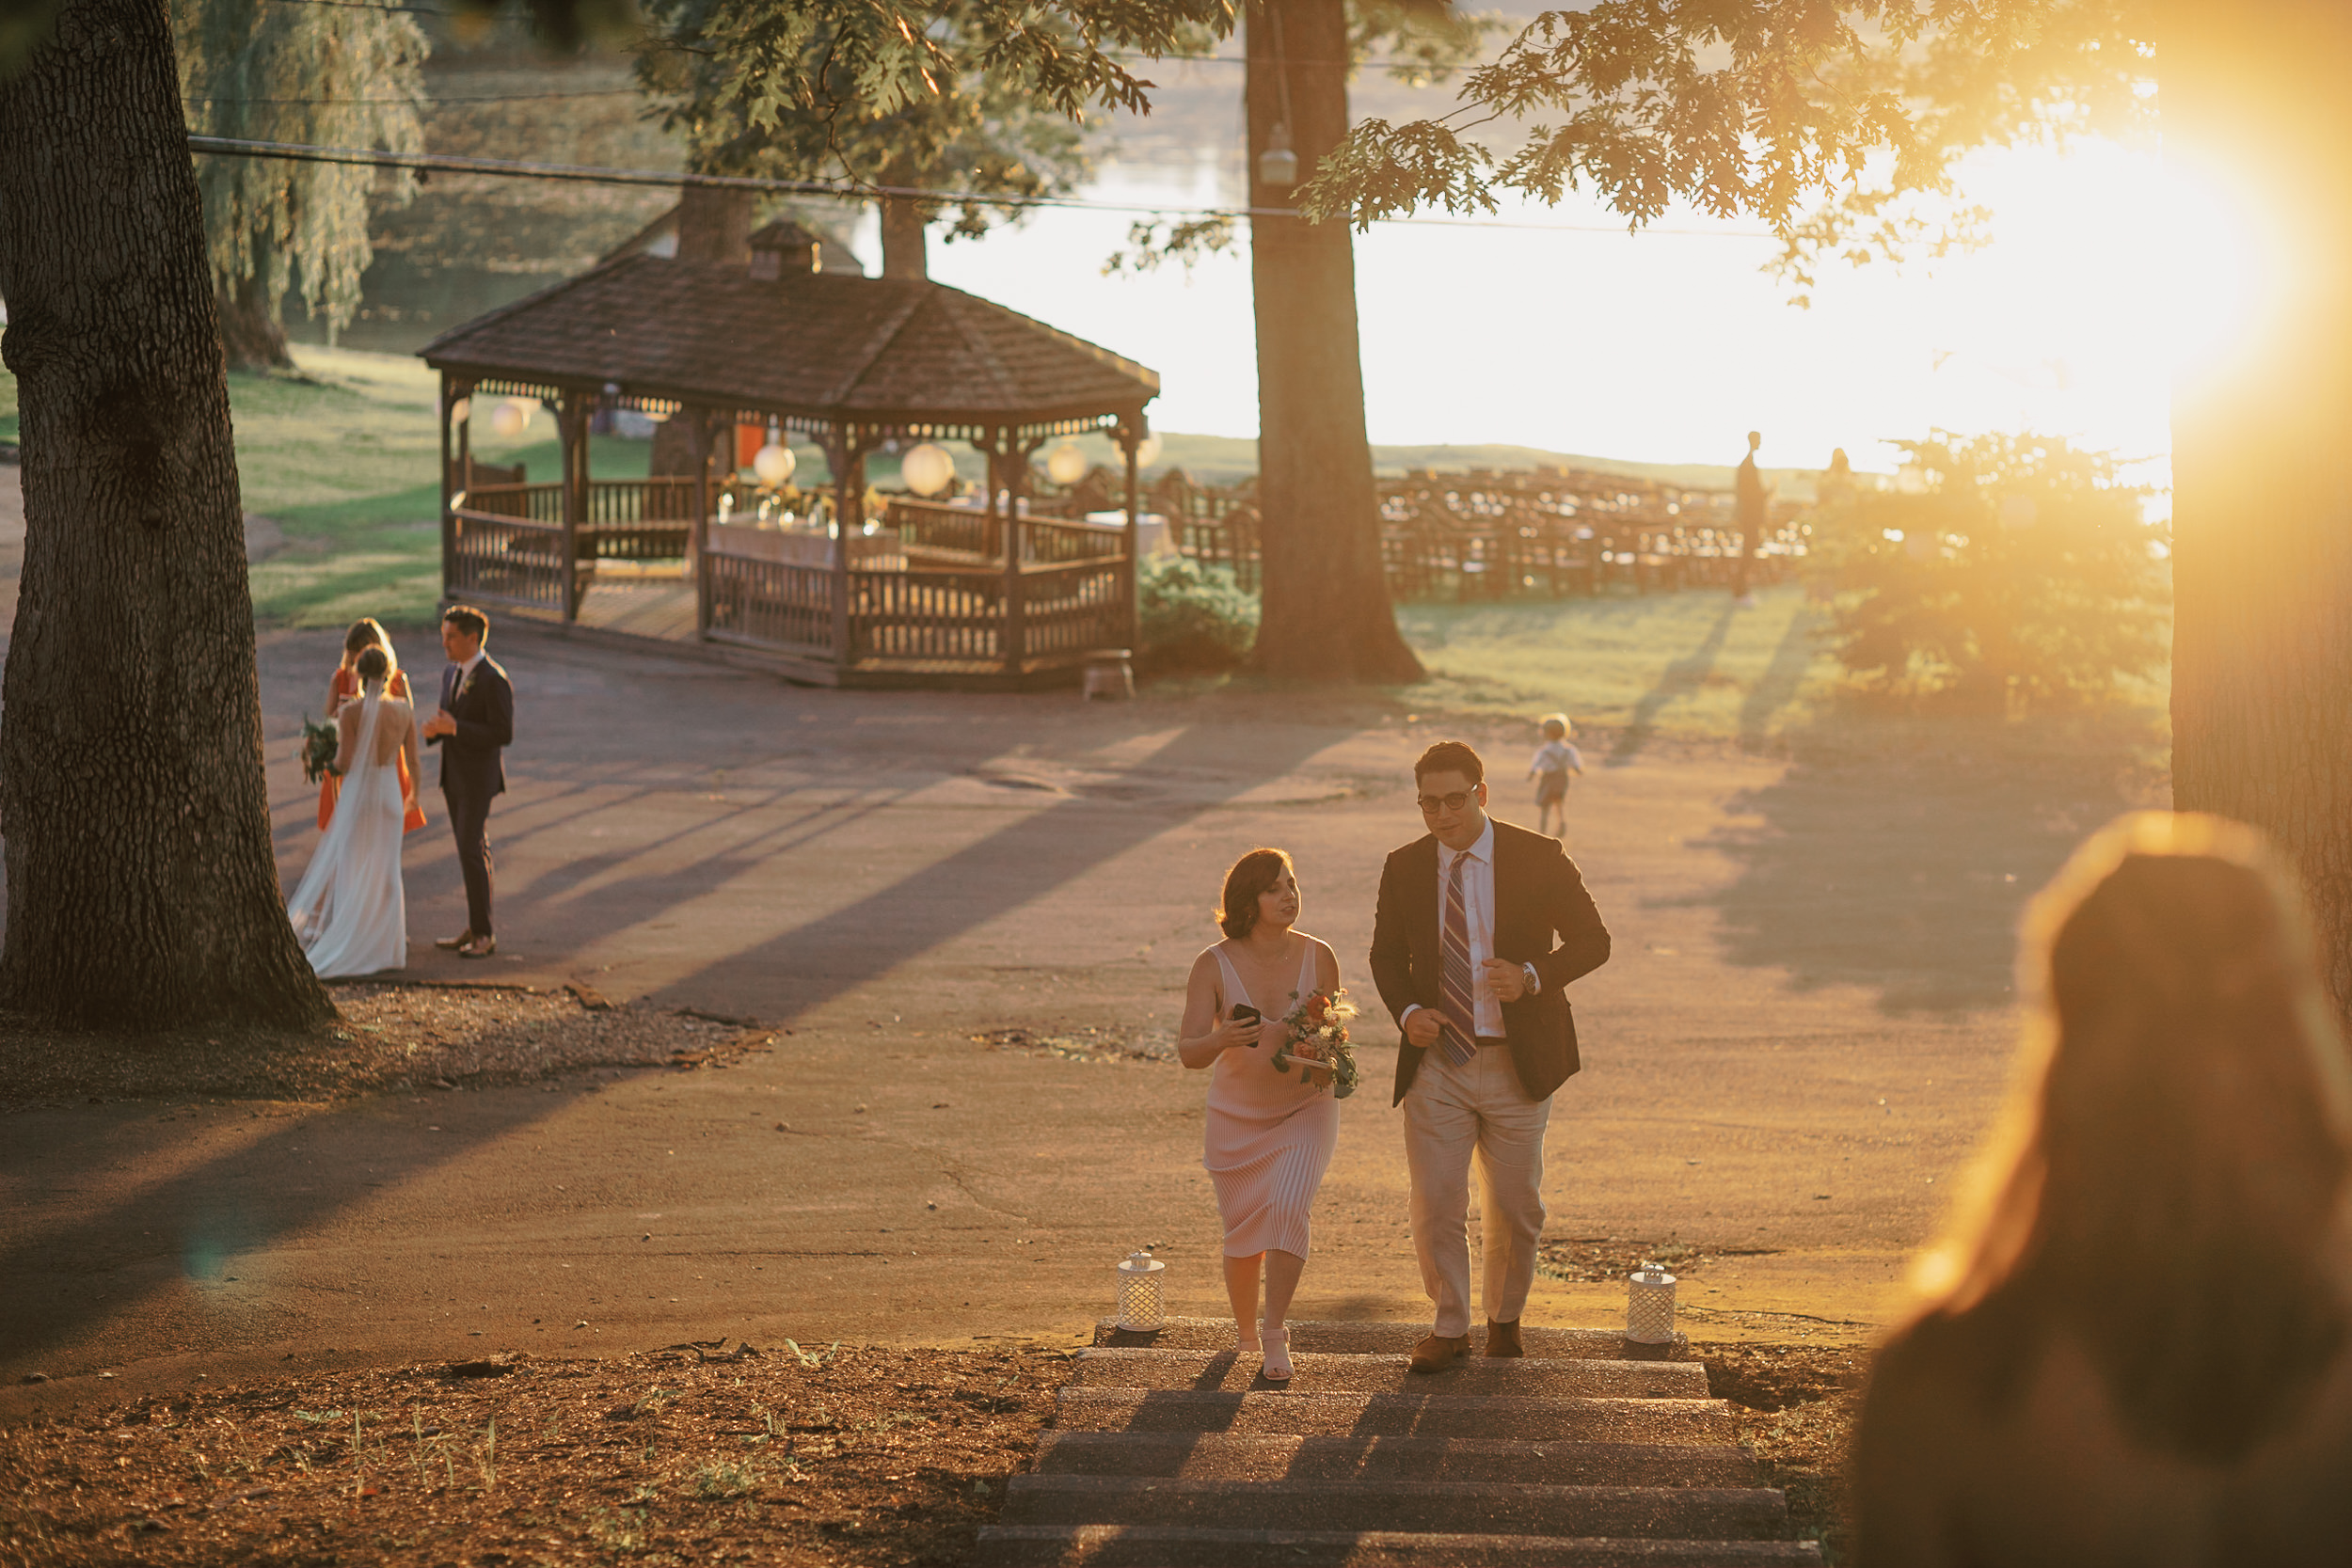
(507, 559)
(770, 604)
(928, 614)
(1067, 610)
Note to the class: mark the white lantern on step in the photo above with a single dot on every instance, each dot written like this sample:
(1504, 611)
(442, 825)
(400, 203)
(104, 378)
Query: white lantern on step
(1649, 1305)
(1068, 465)
(1140, 1309)
(774, 462)
(927, 468)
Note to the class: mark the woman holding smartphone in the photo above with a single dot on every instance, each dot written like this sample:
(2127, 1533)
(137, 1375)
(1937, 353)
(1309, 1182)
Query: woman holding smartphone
(1269, 1132)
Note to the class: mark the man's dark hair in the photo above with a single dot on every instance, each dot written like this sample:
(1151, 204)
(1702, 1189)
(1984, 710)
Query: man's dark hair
(467, 620)
(1450, 756)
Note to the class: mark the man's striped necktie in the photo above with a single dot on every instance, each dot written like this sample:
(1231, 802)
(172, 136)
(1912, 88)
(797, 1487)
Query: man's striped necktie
(1460, 1032)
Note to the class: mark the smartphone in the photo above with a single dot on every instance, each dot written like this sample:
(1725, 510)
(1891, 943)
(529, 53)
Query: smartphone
(1244, 1013)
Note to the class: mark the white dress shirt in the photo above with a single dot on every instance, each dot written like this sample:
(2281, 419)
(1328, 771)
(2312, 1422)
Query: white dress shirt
(1478, 903)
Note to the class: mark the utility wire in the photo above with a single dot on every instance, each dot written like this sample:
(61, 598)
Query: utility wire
(441, 162)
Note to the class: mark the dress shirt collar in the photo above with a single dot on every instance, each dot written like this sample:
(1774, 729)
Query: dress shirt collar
(1482, 851)
(464, 666)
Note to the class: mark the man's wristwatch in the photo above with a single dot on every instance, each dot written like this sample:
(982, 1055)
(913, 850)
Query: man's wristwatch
(1535, 981)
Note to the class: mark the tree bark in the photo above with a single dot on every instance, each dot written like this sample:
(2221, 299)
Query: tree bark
(250, 334)
(904, 240)
(1327, 615)
(713, 225)
(2255, 107)
(142, 886)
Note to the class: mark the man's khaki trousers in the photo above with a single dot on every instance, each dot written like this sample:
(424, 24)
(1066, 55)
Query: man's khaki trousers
(1451, 1113)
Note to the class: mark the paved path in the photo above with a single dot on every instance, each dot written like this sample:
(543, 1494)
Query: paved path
(1804, 1028)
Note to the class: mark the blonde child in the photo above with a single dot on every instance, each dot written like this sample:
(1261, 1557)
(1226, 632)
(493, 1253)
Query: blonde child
(1553, 762)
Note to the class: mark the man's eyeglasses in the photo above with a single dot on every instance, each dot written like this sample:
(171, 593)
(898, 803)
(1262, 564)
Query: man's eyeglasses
(1432, 804)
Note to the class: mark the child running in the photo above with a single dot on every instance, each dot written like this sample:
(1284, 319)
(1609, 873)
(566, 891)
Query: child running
(1554, 761)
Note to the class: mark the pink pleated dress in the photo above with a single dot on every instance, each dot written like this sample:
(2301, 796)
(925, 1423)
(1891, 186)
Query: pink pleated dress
(1269, 1134)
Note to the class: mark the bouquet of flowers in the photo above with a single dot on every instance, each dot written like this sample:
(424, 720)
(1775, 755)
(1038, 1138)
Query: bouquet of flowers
(1318, 1039)
(320, 742)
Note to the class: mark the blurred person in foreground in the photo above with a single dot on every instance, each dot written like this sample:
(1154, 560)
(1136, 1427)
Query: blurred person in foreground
(2133, 1348)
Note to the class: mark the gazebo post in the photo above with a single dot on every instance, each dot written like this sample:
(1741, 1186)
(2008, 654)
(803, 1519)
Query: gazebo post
(1003, 497)
(1131, 437)
(698, 533)
(571, 423)
(449, 518)
(847, 457)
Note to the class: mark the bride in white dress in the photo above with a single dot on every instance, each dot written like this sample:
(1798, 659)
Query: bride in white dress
(349, 910)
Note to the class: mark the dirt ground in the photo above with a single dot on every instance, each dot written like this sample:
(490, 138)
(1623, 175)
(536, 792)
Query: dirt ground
(966, 921)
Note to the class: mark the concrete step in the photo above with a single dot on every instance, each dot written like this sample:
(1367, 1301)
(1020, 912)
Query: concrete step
(1104, 1367)
(1221, 1456)
(1389, 1339)
(1484, 1508)
(1158, 1546)
(1271, 1414)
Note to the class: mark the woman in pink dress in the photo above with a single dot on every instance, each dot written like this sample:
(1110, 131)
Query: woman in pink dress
(1270, 1132)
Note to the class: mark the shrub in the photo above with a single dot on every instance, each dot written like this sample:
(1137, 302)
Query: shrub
(1194, 617)
(2018, 572)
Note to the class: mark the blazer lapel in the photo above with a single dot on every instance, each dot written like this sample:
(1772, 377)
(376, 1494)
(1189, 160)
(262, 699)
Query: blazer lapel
(1425, 936)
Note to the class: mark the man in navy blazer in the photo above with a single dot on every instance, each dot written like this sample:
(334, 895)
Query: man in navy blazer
(474, 726)
(1479, 929)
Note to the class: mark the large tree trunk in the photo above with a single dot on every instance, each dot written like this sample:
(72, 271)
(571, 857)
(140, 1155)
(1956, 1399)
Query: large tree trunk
(1327, 613)
(251, 338)
(142, 889)
(905, 242)
(714, 224)
(2255, 105)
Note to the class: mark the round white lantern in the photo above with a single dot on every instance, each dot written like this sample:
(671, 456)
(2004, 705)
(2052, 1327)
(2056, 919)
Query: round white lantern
(1148, 451)
(774, 462)
(509, 420)
(1140, 1310)
(927, 468)
(1068, 465)
(1649, 1305)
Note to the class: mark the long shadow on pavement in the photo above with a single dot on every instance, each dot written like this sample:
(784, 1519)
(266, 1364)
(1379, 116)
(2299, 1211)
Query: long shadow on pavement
(1678, 680)
(265, 1192)
(1900, 859)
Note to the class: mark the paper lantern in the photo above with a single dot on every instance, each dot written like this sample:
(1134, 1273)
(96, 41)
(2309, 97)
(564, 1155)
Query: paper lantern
(1148, 451)
(509, 420)
(1068, 465)
(1278, 165)
(774, 462)
(927, 468)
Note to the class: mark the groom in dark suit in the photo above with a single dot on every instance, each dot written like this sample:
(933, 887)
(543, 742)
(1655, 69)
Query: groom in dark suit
(475, 724)
(1479, 929)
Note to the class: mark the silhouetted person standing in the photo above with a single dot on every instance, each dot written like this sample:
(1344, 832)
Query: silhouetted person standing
(1748, 492)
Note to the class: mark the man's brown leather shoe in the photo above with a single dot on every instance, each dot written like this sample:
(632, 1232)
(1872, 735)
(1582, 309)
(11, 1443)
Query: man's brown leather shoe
(1503, 1339)
(1437, 1353)
(464, 939)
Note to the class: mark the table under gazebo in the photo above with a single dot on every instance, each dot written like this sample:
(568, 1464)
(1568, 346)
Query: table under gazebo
(924, 593)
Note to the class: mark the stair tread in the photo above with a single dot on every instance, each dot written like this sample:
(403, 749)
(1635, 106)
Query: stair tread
(1348, 1456)
(1492, 1508)
(1115, 1365)
(1314, 1335)
(1167, 1546)
(1257, 1412)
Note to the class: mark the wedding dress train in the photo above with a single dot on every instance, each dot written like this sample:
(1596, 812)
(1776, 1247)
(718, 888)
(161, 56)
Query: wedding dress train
(349, 911)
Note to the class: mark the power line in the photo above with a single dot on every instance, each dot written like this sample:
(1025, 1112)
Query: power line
(441, 162)
(428, 101)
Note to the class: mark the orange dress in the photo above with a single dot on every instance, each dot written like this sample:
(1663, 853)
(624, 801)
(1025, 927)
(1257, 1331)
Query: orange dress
(347, 685)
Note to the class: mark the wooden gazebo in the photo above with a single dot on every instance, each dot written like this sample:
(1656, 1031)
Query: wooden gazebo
(924, 593)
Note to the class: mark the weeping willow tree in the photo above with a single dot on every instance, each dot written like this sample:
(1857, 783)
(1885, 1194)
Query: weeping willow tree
(328, 75)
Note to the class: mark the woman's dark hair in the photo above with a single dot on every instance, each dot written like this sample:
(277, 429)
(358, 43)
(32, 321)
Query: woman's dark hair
(1450, 756)
(373, 664)
(364, 633)
(2168, 1180)
(1255, 872)
(467, 620)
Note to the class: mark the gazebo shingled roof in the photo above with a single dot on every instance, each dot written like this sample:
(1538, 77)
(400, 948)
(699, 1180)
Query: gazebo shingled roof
(816, 345)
